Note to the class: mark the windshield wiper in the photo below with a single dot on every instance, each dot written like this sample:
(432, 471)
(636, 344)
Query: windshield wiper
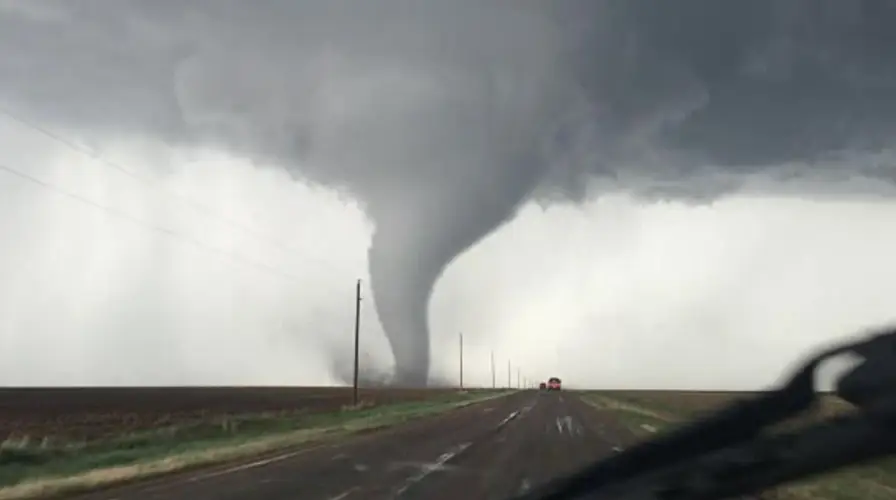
(730, 453)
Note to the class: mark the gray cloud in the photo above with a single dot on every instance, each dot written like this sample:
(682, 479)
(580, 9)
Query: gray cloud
(444, 117)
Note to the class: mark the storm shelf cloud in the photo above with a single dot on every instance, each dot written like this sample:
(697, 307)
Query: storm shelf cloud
(443, 118)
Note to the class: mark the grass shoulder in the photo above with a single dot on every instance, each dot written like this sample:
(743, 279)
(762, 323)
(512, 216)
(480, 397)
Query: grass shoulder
(640, 420)
(43, 469)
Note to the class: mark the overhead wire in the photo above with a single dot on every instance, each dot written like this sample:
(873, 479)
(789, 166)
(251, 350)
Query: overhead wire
(152, 227)
(194, 205)
(233, 257)
(327, 312)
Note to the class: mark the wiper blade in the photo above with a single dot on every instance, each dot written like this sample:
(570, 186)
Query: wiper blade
(726, 454)
(761, 464)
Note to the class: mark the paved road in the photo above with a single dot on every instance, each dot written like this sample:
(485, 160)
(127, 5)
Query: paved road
(490, 450)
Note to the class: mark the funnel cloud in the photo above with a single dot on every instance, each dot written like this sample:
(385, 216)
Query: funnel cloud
(443, 118)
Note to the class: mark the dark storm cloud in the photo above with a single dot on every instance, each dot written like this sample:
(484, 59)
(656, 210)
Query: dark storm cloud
(443, 117)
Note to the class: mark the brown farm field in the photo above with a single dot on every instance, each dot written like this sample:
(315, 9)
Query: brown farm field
(86, 414)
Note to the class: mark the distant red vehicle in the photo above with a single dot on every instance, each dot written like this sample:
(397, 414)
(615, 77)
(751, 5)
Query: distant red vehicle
(553, 384)
(542, 386)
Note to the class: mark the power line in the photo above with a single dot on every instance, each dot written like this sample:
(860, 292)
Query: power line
(196, 206)
(152, 227)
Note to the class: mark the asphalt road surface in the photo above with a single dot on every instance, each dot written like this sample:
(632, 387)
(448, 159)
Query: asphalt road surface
(490, 450)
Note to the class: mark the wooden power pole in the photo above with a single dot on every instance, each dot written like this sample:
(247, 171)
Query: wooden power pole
(357, 337)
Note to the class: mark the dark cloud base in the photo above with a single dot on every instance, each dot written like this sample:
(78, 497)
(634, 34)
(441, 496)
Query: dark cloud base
(444, 118)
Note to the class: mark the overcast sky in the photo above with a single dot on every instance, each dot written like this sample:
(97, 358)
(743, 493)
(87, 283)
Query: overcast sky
(608, 202)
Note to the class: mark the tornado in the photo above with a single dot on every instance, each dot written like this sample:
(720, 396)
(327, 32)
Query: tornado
(402, 278)
(418, 235)
(443, 119)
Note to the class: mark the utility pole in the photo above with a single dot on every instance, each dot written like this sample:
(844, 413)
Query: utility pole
(518, 386)
(493, 369)
(357, 336)
(461, 361)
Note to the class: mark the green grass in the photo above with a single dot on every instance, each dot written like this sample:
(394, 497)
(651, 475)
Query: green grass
(876, 481)
(33, 469)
